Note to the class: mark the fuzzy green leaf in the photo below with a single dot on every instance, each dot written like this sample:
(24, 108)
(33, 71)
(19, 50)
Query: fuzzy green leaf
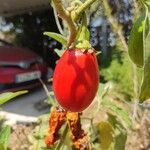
(37, 138)
(83, 34)
(4, 97)
(57, 37)
(119, 111)
(145, 87)
(136, 42)
(106, 134)
(101, 88)
(59, 52)
(4, 137)
(120, 133)
(82, 38)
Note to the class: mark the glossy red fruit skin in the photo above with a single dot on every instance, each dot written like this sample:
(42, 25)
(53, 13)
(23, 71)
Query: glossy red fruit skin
(76, 80)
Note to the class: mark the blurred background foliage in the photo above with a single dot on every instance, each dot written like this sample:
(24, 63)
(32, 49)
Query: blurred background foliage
(106, 22)
(110, 24)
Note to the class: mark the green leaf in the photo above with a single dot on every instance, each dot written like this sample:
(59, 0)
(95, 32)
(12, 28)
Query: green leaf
(145, 87)
(135, 43)
(59, 52)
(120, 133)
(57, 37)
(103, 89)
(119, 111)
(106, 134)
(83, 33)
(82, 38)
(4, 137)
(4, 97)
(37, 137)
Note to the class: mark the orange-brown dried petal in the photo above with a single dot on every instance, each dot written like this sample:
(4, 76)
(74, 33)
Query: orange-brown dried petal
(57, 119)
(79, 137)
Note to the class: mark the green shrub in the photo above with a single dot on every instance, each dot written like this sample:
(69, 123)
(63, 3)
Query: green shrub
(120, 73)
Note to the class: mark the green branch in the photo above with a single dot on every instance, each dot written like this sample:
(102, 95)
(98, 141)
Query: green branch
(116, 27)
(70, 20)
(64, 134)
(82, 8)
(66, 16)
(57, 19)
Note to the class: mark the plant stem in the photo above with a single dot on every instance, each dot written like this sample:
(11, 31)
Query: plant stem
(136, 8)
(116, 27)
(82, 8)
(136, 93)
(67, 17)
(63, 137)
(51, 100)
(70, 20)
(57, 20)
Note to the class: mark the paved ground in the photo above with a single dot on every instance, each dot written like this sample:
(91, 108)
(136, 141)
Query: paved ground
(30, 104)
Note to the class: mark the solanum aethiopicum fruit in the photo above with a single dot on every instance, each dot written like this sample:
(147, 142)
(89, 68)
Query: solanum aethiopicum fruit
(76, 79)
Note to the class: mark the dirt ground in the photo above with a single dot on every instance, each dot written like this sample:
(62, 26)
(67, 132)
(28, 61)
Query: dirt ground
(138, 137)
(19, 137)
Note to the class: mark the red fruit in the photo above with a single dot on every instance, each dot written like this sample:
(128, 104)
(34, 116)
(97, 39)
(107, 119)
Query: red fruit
(76, 79)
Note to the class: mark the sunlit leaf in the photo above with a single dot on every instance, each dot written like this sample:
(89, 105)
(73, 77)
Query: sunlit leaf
(59, 52)
(4, 97)
(37, 138)
(82, 39)
(103, 89)
(57, 37)
(145, 87)
(4, 137)
(120, 133)
(119, 111)
(136, 41)
(106, 135)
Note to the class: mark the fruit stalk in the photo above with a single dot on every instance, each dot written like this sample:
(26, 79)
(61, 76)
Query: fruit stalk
(71, 20)
(82, 8)
(66, 16)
